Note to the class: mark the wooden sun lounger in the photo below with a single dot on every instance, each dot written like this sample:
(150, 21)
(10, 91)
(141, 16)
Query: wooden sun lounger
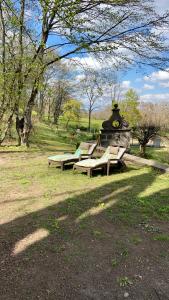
(112, 156)
(84, 151)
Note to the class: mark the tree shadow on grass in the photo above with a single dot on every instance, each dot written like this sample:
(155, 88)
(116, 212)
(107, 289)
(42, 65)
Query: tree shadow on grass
(65, 251)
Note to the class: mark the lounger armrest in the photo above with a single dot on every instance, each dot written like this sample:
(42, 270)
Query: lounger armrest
(70, 152)
(81, 156)
(112, 159)
(86, 155)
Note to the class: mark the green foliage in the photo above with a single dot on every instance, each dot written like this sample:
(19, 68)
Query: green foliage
(71, 111)
(161, 237)
(114, 262)
(129, 108)
(124, 281)
(136, 240)
(161, 155)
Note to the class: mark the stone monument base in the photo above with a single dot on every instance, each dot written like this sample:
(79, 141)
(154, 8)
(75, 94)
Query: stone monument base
(116, 137)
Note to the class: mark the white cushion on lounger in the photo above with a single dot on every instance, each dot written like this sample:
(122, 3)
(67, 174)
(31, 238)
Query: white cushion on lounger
(91, 162)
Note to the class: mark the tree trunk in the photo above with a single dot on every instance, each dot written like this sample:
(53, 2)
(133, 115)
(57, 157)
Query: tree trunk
(7, 128)
(55, 117)
(21, 52)
(41, 105)
(19, 129)
(25, 134)
(143, 150)
(89, 124)
(49, 109)
(67, 123)
(2, 107)
(57, 112)
(58, 101)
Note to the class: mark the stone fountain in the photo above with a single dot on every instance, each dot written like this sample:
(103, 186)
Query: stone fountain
(115, 131)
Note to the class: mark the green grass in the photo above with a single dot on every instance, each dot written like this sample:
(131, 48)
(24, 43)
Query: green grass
(136, 195)
(114, 262)
(95, 124)
(136, 240)
(161, 237)
(48, 137)
(159, 154)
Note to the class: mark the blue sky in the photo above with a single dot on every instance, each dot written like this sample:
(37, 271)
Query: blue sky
(151, 85)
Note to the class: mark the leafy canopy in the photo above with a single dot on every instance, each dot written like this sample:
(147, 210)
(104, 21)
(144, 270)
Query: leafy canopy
(71, 110)
(129, 108)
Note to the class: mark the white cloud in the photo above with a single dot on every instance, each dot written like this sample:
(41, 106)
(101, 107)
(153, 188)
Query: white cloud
(28, 14)
(108, 62)
(155, 97)
(88, 62)
(164, 31)
(164, 84)
(79, 77)
(148, 87)
(161, 5)
(158, 76)
(125, 84)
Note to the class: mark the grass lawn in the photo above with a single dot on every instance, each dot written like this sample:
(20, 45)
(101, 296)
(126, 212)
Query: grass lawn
(159, 154)
(67, 236)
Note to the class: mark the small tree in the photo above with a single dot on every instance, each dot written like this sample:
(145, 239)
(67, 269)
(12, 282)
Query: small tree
(144, 134)
(61, 91)
(71, 111)
(129, 108)
(90, 86)
(154, 118)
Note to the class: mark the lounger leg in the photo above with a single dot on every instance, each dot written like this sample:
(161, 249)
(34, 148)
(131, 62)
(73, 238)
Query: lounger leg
(122, 164)
(49, 163)
(89, 172)
(62, 166)
(105, 169)
(108, 169)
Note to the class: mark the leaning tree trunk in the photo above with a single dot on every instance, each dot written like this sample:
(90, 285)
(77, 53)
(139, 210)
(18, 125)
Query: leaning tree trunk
(3, 56)
(27, 119)
(4, 134)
